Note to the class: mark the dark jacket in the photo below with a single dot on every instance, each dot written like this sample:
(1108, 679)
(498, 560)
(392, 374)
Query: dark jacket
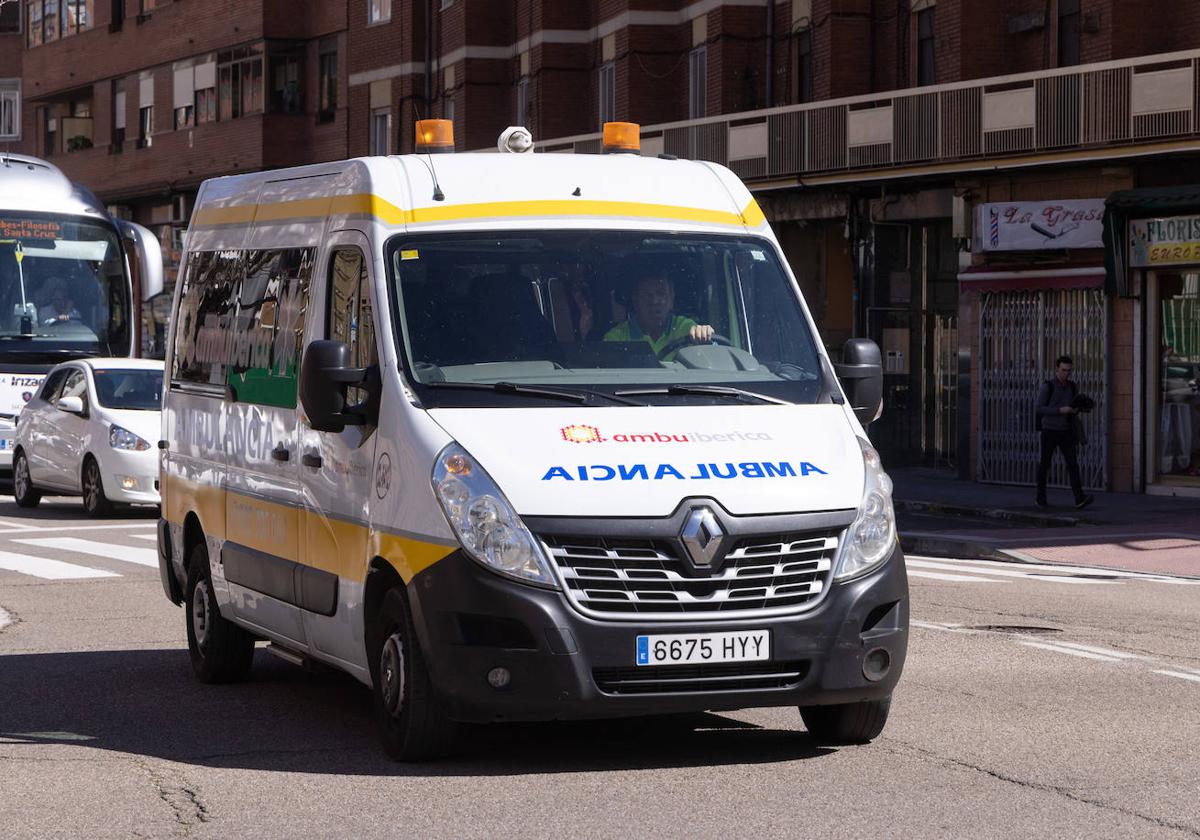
(1053, 396)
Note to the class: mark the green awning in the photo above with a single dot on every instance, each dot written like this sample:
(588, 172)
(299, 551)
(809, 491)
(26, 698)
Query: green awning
(1124, 205)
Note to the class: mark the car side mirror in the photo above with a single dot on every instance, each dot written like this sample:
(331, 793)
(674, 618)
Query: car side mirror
(325, 374)
(861, 374)
(71, 405)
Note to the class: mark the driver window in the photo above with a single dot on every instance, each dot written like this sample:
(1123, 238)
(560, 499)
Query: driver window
(53, 385)
(75, 386)
(351, 315)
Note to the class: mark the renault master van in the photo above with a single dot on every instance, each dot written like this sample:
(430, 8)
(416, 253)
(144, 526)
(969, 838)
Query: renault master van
(523, 437)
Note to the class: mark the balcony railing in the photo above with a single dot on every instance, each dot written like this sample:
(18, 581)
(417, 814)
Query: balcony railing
(1096, 106)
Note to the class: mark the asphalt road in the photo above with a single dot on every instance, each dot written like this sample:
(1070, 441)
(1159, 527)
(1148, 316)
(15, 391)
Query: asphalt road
(1088, 727)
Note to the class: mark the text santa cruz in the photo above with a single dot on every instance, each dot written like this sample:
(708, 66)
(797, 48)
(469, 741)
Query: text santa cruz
(701, 472)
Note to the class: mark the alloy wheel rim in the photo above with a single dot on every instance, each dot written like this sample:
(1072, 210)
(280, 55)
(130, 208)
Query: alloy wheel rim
(90, 485)
(391, 674)
(21, 477)
(200, 614)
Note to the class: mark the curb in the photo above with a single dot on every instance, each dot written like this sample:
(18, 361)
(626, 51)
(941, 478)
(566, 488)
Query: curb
(961, 548)
(1042, 520)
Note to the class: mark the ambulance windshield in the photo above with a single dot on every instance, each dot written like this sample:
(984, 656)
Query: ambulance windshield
(607, 311)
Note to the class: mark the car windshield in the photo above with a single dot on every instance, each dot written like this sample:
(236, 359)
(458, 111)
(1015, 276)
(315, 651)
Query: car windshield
(129, 389)
(63, 288)
(627, 315)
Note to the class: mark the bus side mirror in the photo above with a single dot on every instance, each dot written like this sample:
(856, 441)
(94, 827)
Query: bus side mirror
(325, 373)
(148, 252)
(861, 374)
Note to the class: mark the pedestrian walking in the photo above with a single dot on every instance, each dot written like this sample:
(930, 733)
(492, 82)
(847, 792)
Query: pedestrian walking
(1057, 418)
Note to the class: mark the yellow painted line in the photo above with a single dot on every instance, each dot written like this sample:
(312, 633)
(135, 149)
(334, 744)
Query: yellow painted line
(365, 204)
(332, 545)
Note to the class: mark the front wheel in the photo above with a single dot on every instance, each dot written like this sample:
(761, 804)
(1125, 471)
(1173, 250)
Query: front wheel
(94, 500)
(846, 723)
(23, 490)
(221, 652)
(412, 722)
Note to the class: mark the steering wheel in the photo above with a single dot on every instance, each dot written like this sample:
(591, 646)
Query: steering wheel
(686, 341)
(58, 322)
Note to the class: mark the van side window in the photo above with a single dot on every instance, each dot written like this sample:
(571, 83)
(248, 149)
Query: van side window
(351, 315)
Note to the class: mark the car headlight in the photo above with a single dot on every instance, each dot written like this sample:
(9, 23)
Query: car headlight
(484, 522)
(871, 538)
(120, 438)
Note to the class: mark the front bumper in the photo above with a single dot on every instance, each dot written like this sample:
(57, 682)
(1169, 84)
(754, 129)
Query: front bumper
(470, 620)
(140, 469)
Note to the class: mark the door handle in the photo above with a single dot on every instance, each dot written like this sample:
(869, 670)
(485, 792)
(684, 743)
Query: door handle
(311, 459)
(280, 454)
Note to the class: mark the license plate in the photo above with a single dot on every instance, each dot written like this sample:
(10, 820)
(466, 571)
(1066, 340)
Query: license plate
(692, 648)
(4, 443)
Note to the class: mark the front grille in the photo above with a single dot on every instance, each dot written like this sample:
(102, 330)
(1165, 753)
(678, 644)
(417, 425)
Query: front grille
(680, 679)
(653, 579)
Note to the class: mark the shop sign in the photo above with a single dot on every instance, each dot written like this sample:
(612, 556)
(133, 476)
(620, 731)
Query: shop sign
(1040, 225)
(1172, 241)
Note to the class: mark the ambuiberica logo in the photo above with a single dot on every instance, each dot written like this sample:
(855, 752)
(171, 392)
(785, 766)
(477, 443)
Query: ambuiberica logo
(582, 433)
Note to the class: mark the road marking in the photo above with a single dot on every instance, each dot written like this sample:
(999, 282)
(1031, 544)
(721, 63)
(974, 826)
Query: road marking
(1181, 675)
(943, 576)
(127, 554)
(1072, 651)
(968, 566)
(929, 625)
(146, 536)
(53, 529)
(1120, 654)
(49, 569)
(1061, 569)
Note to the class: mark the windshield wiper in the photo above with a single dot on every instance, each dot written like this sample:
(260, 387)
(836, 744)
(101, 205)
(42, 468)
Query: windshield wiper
(575, 395)
(680, 390)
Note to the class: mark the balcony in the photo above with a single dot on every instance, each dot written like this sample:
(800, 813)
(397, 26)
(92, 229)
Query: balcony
(1114, 109)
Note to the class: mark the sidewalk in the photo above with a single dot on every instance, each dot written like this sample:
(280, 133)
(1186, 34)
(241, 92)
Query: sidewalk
(940, 515)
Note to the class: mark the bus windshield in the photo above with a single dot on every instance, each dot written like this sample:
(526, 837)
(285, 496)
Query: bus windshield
(63, 288)
(621, 316)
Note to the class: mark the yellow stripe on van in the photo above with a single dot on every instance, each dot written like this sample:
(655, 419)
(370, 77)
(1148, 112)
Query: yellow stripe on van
(331, 545)
(365, 204)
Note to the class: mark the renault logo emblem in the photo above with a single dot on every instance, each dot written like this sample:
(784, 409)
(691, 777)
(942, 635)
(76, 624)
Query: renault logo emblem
(701, 536)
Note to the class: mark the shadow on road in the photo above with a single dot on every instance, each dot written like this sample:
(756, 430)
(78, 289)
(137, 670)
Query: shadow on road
(147, 702)
(66, 510)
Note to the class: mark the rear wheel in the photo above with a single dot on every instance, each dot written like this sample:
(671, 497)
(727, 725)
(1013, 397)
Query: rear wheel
(94, 500)
(23, 490)
(221, 652)
(846, 723)
(412, 722)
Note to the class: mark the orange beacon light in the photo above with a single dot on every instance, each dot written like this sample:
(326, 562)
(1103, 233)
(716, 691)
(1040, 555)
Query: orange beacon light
(435, 136)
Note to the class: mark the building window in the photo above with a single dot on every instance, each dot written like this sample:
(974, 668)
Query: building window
(50, 20)
(448, 108)
(286, 71)
(381, 131)
(697, 83)
(240, 82)
(379, 11)
(10, 17)
(118, 117)
(145, 126)
(76, 16)
(926, 73)
(1068, 33)
(523, 101)
(205, 101)
(185, 117)
(118, 14)
(145, 6)
(10, 110)
(327, 81)
(608, 92)
(804, 66)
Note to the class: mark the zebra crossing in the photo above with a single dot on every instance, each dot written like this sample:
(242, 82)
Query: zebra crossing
(56, 553)
(997, 572)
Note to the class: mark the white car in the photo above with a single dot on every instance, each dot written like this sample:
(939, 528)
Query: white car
(90, 431)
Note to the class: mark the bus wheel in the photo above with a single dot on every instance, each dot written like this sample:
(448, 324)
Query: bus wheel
(413, 724)
(846, 723)
(221, 652)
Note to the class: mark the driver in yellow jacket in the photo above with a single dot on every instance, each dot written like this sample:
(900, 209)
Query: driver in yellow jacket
(653, 319)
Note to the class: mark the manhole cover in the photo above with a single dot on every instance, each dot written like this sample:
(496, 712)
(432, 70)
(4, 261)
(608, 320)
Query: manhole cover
(1017, 629)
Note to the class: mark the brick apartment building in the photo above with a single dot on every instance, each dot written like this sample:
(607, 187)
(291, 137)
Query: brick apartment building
(901, 149)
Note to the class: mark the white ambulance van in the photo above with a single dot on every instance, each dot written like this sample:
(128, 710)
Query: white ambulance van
(523, 437)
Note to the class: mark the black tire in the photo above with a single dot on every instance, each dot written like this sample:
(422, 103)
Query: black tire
(23, 490)
(412, 721)
(846, 723)
(94, 500)
(221, 652)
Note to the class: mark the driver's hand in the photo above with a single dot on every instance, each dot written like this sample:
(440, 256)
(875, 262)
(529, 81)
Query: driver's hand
(701, 333)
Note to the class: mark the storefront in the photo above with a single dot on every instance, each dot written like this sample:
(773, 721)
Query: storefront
(1161, 265)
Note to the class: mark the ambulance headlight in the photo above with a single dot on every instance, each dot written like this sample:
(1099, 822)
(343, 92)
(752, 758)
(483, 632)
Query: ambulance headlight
(871, 538)
(483, 520)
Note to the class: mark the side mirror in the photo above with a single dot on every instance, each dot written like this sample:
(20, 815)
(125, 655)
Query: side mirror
(861, 375)
(149, 258)
(325, 373)
(71, 405)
